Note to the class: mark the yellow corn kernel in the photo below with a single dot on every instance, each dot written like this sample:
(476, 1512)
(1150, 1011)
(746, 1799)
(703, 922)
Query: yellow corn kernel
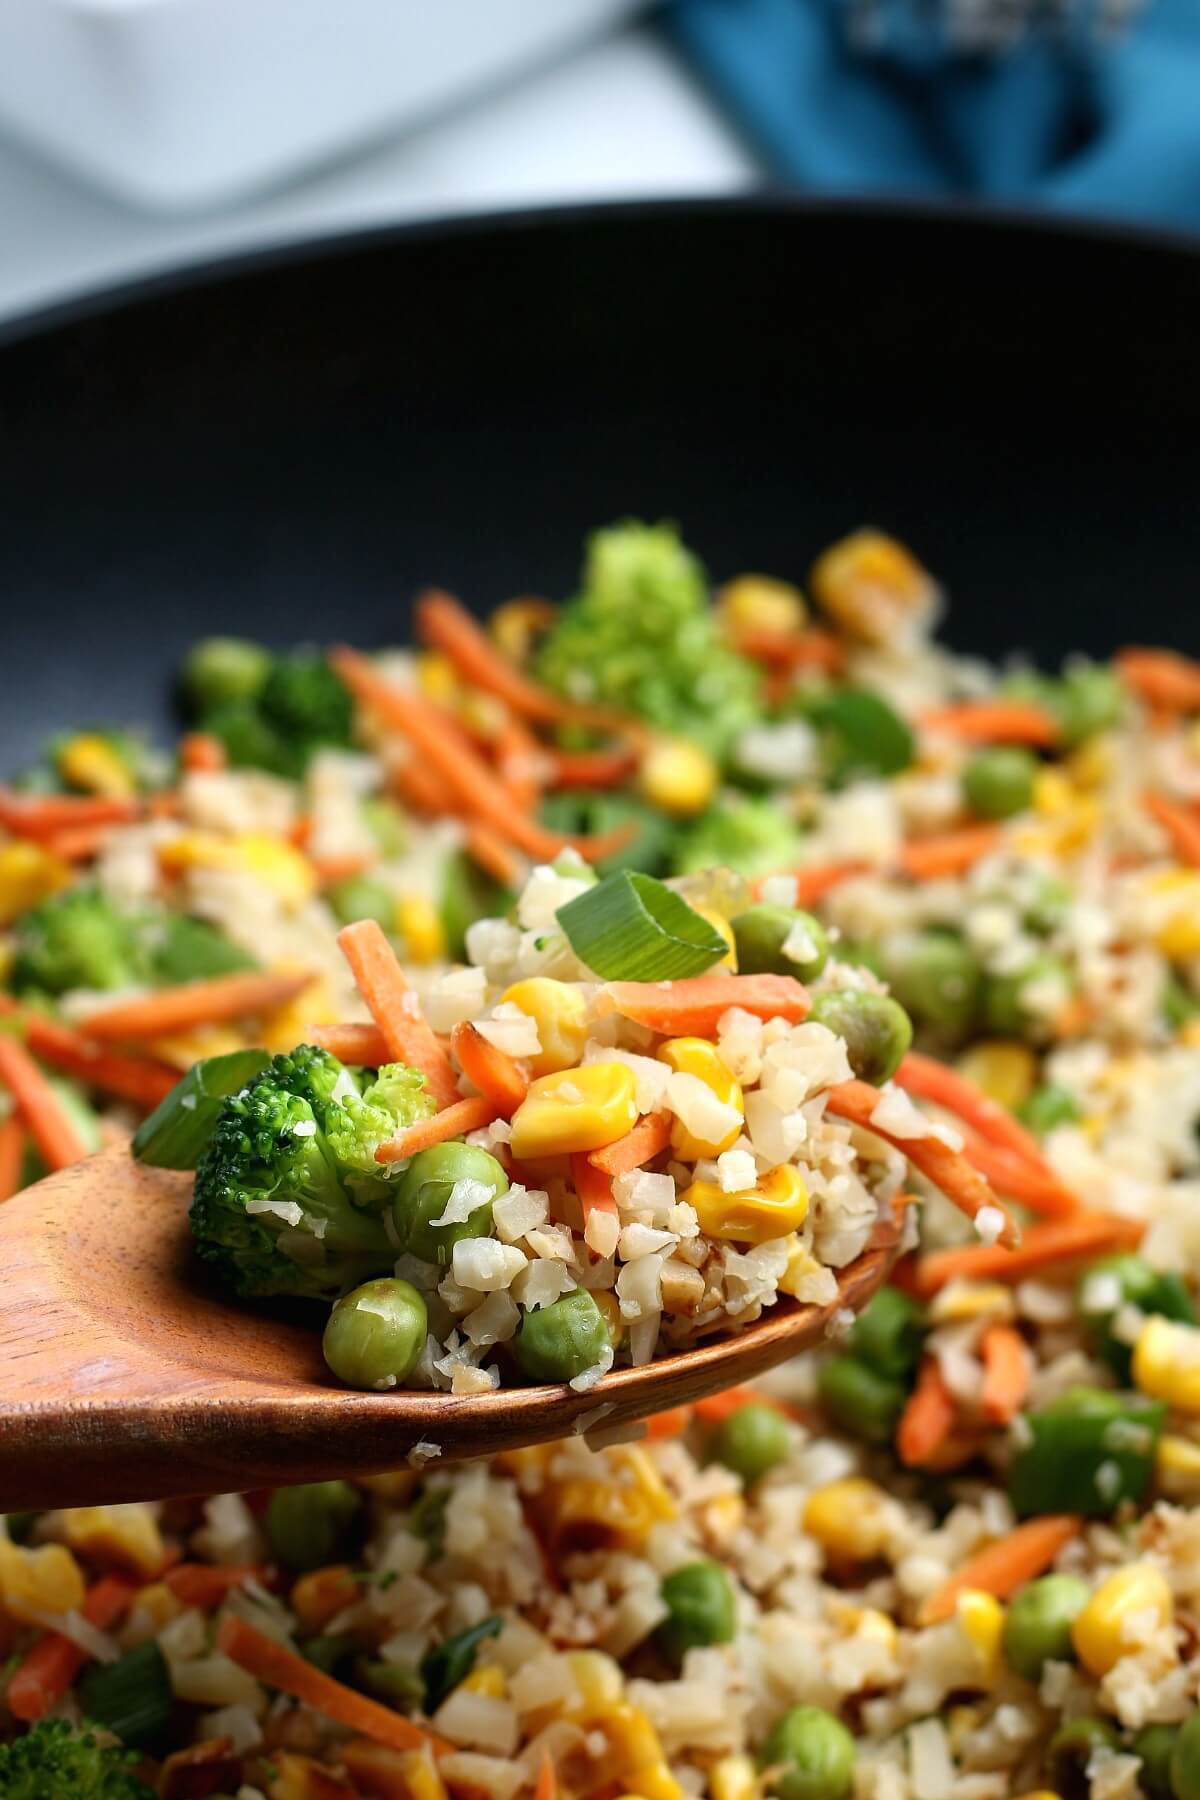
(961, 1300)
(272, 861)
(183, 1048)
(575, 1109)
(560, 1013)
(777, 1206)
(400, 1774)
(323, 1593)
(1123, 1613)
(734, 1778)
(961, 1721)
(980, 1618)
(721, 925)
(1192, 737)
(678, 776)
(1053, 793)
(848, 1518)
(1176, 899)
(761, 603)
(1166, 1363)
(128, 1535)
(872, 587)
(1092, 764)
(154, 1606)
(721, 1518)
(90, 762)
(610, 1306)
(27, 874)
(436, 678)
(288, 1025)
(1177, 1467)
(1040, 1794)
(587, 1513)
(801, 1263)
(864, 1622)
(1004, 1069)
(38, 1580)
(1189, 1034)
(654, 1781)
(293, 1777)
(696, 1056)
(632, 1739)
(515, 625)
(647, 1480)
(600, 1682)
(489, 1680)
(420, 925)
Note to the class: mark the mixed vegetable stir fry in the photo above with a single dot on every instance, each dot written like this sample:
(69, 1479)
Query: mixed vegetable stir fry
(559, 992)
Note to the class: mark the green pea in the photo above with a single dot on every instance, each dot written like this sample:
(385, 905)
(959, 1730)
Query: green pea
(888, 1334)
(223, 670)
(311, 1525)
(701, 1610)
(1127, 1280)
(424, 1193)
(1090, 699)
(1085, 1453)
(935, 977)
(1185, 1761)
(560, 1341)
(1049, 1106)
(751, 1441)
(1154, 1746)
(375, 1333)
(1071, 1747)
(360, 897)
(1016, 1005)
(998, 783)
(762, 932)
(860, 1400)
(876, 1029)
(808, 1755)
(1037, 1627)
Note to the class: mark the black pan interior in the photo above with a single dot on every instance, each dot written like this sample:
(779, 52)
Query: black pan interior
(290, 445)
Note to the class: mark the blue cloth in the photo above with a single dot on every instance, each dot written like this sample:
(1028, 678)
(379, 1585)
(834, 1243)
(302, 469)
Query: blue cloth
(1076, 119)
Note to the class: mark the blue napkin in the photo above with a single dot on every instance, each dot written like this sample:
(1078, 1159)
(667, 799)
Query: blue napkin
(1072, 117)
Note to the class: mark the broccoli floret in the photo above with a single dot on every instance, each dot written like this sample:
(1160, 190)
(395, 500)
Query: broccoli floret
(56, 1762)
(77, 939)
(275, 721)
(301, 1137)
(751, 835)
(306, 703)
(250, 741)
(641, 636)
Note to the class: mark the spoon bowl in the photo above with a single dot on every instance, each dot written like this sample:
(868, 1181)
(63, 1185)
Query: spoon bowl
(123, 1376)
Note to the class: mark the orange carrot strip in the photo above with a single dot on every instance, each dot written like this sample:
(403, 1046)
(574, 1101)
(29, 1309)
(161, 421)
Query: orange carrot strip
(693, 1007)
(650, 1135)
(46, 814)
(668, 1424)
(812, 649)
(1041, 1191)
(546, 1785)
(715, 1408)
(50, 1127)
(278, 1667)
(362, 1045)
(209, 1002)
(331, 869)
(1162, 678)
(453, 1121)
(814, 881)
(489, 850)
(393, 1006)
(12, 1155)
(927, 1419)
(936, 1081)
(135, 1078)
(994, 722)
(947, 853)
(206, 1585)
(1181, 826)
(51, 1666)
(200, 753)
(77, 843)
(499, 1077)
(589, 768)
(1058, 1240)
(1000, 1569)
(419, 787)
(948, 1169)
(593, 1187)
(1005, 1374)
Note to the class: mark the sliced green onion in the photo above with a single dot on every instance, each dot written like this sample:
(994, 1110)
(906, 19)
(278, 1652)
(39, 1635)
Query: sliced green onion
(443, 1667)
(132, 1696)
(180, 1126)
(630, 927)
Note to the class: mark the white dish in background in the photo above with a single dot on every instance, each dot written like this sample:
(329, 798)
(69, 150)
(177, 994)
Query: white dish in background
(186, 103)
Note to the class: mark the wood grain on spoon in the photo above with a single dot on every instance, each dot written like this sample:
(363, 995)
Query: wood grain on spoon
(124, 1377)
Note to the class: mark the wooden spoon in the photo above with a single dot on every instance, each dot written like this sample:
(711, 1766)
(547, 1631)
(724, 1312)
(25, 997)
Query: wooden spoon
(124, 1377)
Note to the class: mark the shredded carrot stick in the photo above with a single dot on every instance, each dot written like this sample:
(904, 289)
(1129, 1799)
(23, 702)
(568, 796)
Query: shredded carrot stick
(136, 1078)
(650, 1135)
(593, 1188)
(948, 1169)
(206, 1585)
(393, 1006)
(12, 1155)
(668, 1424)
(812, 882)
(927, 1419)
(419, 787)
(811, 649)
(1041, 1191)
(994, 722)
(77, 843)
(694, 1007)
(1163, 679)
(487, 848)
(1005, 1374)
(498, 1076)
(947, 853)
(1181, 826)
(453, 1121)
(200, 753)
(929, 1079)
(331, 869)
(1000, 1569)
(546, 1785)
(361, 1045)
(45, 1676)
(50, 1126)
(1055, 1241)
(589, 768)
(210, 1002)
(44, 815)
(276, 1666)
(714, 1409)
